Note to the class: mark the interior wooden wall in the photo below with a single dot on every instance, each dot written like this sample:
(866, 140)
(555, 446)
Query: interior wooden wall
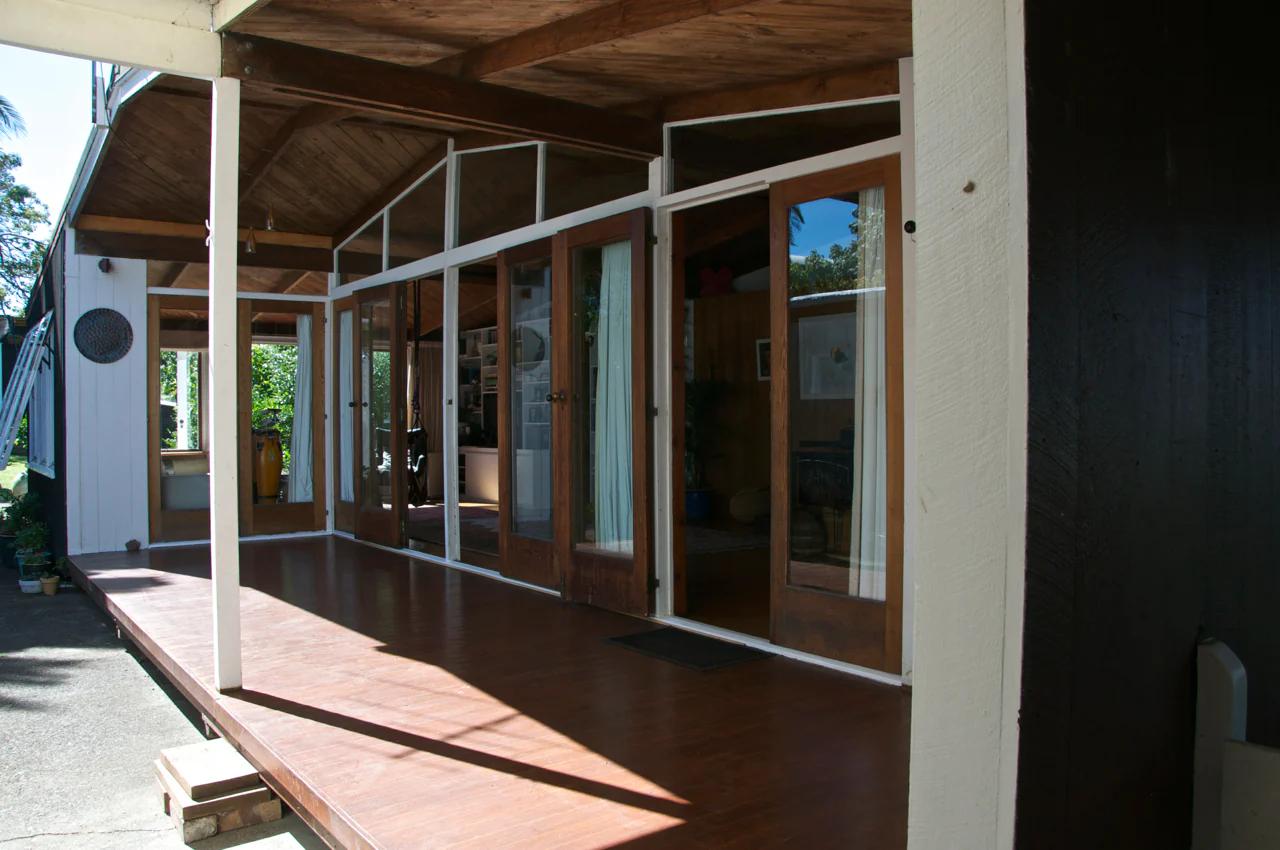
(726, 328)
(1153, 469)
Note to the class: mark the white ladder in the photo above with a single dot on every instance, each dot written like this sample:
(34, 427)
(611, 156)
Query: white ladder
(18, 393)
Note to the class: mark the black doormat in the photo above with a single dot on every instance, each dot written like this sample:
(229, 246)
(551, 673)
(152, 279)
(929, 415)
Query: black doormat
(688, 649)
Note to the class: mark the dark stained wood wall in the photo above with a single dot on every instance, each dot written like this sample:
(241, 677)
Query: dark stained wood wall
(1154, 456)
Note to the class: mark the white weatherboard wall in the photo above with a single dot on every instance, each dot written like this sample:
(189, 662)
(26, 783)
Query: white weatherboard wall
(106, 411)
(971, 421)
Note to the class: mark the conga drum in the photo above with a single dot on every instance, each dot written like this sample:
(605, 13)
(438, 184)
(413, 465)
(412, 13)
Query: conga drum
(268, 461)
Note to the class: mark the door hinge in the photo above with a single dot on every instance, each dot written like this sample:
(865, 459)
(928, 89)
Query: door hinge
(652, 240)
(654, 584)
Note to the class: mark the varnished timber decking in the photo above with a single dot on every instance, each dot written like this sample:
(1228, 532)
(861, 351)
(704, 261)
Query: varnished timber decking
(402, 704)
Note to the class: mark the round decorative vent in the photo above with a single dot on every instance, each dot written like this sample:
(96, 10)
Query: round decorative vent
(103, 335)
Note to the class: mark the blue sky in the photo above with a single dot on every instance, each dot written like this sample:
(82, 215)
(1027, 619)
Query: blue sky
(52, 93)
(826, 222)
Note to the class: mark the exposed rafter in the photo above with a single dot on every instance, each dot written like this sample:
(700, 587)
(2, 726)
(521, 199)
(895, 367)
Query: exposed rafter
(391, 191)
(289, 280)
(312, 115)
(593, 27)
(171, 276)
(335, 78)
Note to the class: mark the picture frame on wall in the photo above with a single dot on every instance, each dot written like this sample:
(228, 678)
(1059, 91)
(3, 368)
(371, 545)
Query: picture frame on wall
(826, 357)
(762, 359)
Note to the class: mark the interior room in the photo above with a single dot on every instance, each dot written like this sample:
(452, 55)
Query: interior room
(477, 416)
(723, 469)
(424, 526)
(477, 406)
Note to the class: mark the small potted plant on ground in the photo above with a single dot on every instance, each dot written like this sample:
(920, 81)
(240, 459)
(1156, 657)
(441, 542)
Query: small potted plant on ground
(33, 557)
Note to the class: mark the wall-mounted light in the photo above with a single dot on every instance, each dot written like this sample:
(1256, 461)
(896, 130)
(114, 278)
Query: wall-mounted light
(104, 265)
(271, 218)
(251, 244)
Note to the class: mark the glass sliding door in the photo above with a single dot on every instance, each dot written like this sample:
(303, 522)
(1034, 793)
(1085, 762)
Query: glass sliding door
(836, 308)
(527, 399)
(601, 411)
(379, 415)
(344, 400)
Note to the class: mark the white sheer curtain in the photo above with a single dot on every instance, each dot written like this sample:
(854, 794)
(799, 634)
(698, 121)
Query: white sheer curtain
(346, 413)
(300, 442)
(870, 456)
(613, 521)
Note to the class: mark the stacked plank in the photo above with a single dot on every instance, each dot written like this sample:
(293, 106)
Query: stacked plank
(209, 788)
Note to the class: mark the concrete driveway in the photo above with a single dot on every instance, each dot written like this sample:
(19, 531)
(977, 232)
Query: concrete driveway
(81, 720)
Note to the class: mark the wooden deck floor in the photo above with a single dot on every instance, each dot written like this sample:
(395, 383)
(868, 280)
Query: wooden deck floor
(401, 704)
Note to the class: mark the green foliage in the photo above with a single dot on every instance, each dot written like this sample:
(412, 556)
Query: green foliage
(21, 253)
(33, 537)
(274, 369)
(22, 512)
(11, 123)
(835, 272)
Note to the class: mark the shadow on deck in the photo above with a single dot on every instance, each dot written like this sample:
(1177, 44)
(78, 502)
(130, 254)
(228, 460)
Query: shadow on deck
(396, 703)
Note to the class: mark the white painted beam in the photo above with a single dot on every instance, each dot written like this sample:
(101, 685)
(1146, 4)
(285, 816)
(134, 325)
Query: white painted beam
(163, 35)
(227, 12)
(224, 506)
(970, 368)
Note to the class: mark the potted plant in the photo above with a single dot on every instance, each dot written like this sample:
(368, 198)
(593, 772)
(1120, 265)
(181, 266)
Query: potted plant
(33, 557)
(8, 528)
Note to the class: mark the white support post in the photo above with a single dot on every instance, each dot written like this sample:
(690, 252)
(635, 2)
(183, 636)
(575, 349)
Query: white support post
(224, 520)
(452, 542)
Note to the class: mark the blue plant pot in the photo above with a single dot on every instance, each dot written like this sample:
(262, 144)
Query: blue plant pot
(697, 505)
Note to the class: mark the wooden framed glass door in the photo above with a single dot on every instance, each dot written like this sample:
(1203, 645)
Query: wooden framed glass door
(601, 413)
(281, 412)
(344, 414)
(378, 402)
(527, 398)
(836, 401)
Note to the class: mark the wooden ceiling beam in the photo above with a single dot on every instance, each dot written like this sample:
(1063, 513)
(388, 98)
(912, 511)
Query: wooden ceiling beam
(591, 28)
(183, 230)
(863, 81)
(188, 250)
(371, 86)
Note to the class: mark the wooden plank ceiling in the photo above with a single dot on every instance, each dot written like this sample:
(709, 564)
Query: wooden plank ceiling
(318, 168)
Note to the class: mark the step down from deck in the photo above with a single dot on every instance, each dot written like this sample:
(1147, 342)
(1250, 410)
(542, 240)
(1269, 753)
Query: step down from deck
(209, 788)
